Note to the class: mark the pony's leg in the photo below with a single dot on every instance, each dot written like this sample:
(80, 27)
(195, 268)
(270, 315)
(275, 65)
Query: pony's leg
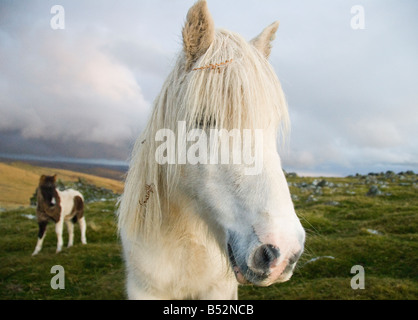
(70, 228)
(83, 226)
(41, 237)
(58, 230)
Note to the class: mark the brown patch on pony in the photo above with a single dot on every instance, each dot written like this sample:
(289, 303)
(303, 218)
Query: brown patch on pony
(78, 209)
(198, 32)
(49, 202)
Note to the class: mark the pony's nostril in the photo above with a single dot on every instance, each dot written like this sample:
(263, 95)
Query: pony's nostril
(265, 256)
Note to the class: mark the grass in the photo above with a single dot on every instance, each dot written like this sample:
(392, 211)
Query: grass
(92, 271)
(344, 228)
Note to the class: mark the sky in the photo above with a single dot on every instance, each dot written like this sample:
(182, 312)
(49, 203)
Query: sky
(86, 91)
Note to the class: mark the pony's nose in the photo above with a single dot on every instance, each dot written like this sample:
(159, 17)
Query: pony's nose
(265, 256)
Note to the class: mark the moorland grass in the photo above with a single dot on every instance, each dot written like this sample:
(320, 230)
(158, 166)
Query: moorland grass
(344, 227)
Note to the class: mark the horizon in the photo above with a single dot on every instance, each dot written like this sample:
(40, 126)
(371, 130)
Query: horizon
(125, 164)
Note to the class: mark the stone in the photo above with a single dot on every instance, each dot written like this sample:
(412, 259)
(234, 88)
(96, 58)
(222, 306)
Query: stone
(333, 203)
(322, 183)
(373, 191)
(311, 198)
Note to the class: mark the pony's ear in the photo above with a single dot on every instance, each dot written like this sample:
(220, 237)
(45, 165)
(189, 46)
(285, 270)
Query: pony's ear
(55, 177)
(263, 41)
(42, 178)
(198, 32)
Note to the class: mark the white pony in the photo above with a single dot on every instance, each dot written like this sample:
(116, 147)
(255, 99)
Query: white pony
(58, 206)
(194, 231)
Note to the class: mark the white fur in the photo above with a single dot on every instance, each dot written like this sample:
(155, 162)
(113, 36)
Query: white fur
(175, 245)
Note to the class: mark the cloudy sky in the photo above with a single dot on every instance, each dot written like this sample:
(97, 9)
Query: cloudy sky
(86, 91)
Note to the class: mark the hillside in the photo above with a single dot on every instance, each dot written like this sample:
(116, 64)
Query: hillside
(19, 180)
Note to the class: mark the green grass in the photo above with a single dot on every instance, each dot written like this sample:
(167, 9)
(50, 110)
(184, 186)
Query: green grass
(92, 271)
(342, 231)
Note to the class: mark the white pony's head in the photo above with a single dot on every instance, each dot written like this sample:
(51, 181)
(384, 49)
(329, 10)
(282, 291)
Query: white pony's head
(221, 82)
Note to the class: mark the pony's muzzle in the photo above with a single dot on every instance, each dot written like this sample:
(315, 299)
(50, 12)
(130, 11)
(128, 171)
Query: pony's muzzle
(268, 266)
(267, 259)
(265, 266)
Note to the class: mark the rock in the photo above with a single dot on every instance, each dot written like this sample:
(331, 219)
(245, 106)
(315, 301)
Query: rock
(375, 232)
(370, 179)
(311, 198)
(29, 216)
(322, 183)
(333, 203)
(318, 191)
(295, 197)
(374, 191)
(390, 174)
(291, 174)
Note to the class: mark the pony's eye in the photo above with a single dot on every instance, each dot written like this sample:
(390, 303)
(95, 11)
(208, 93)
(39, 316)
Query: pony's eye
(208, 123)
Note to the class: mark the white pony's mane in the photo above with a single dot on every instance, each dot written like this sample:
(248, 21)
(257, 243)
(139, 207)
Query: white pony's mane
(243, 93)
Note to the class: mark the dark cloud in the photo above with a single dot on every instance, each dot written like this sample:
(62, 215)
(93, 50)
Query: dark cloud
(13, 143)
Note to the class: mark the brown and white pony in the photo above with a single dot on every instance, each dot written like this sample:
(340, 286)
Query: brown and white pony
(58, 206)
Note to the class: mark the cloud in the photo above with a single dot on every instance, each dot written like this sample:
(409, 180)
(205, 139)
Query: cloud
(374, 133)
(149, 63)
(350, 93)
(60, 85)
